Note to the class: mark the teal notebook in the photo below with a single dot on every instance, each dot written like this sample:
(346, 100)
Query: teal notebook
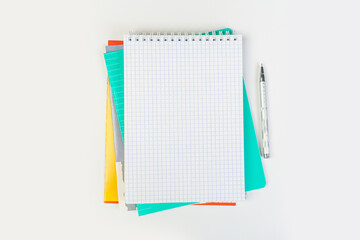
(254, 174)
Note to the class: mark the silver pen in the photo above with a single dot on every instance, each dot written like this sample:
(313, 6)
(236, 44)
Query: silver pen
(264, 116)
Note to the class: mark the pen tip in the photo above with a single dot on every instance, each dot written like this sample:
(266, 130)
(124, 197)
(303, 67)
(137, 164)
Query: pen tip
(261, 68)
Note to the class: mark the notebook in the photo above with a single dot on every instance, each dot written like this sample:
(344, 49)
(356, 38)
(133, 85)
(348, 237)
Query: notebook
(183, 119)
(110, 183)
(254, 174)
(118, 141)
(119, 150)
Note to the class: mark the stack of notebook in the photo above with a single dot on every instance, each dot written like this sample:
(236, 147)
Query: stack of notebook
(179, 129)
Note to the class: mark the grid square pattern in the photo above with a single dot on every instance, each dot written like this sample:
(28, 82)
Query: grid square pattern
(183, 119)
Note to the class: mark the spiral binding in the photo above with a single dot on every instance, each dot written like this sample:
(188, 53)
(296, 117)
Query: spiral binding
(185, 36)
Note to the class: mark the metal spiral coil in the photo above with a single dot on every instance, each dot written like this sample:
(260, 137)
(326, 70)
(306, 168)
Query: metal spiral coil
(180, 36)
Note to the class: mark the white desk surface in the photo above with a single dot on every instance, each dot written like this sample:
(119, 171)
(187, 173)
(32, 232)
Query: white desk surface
(52, 131)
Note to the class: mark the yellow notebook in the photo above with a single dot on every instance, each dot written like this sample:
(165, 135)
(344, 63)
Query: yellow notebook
(110, 187)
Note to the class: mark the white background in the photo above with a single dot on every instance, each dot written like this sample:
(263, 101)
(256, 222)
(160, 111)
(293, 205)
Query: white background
(52, 131)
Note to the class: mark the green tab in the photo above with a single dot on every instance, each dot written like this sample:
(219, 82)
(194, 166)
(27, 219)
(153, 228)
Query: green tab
(254, 172)
(115, 67)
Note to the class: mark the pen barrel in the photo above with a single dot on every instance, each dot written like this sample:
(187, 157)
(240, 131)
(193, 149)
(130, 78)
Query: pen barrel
(264, 121)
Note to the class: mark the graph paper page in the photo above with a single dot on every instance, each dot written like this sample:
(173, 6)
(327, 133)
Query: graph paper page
(183, 119)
